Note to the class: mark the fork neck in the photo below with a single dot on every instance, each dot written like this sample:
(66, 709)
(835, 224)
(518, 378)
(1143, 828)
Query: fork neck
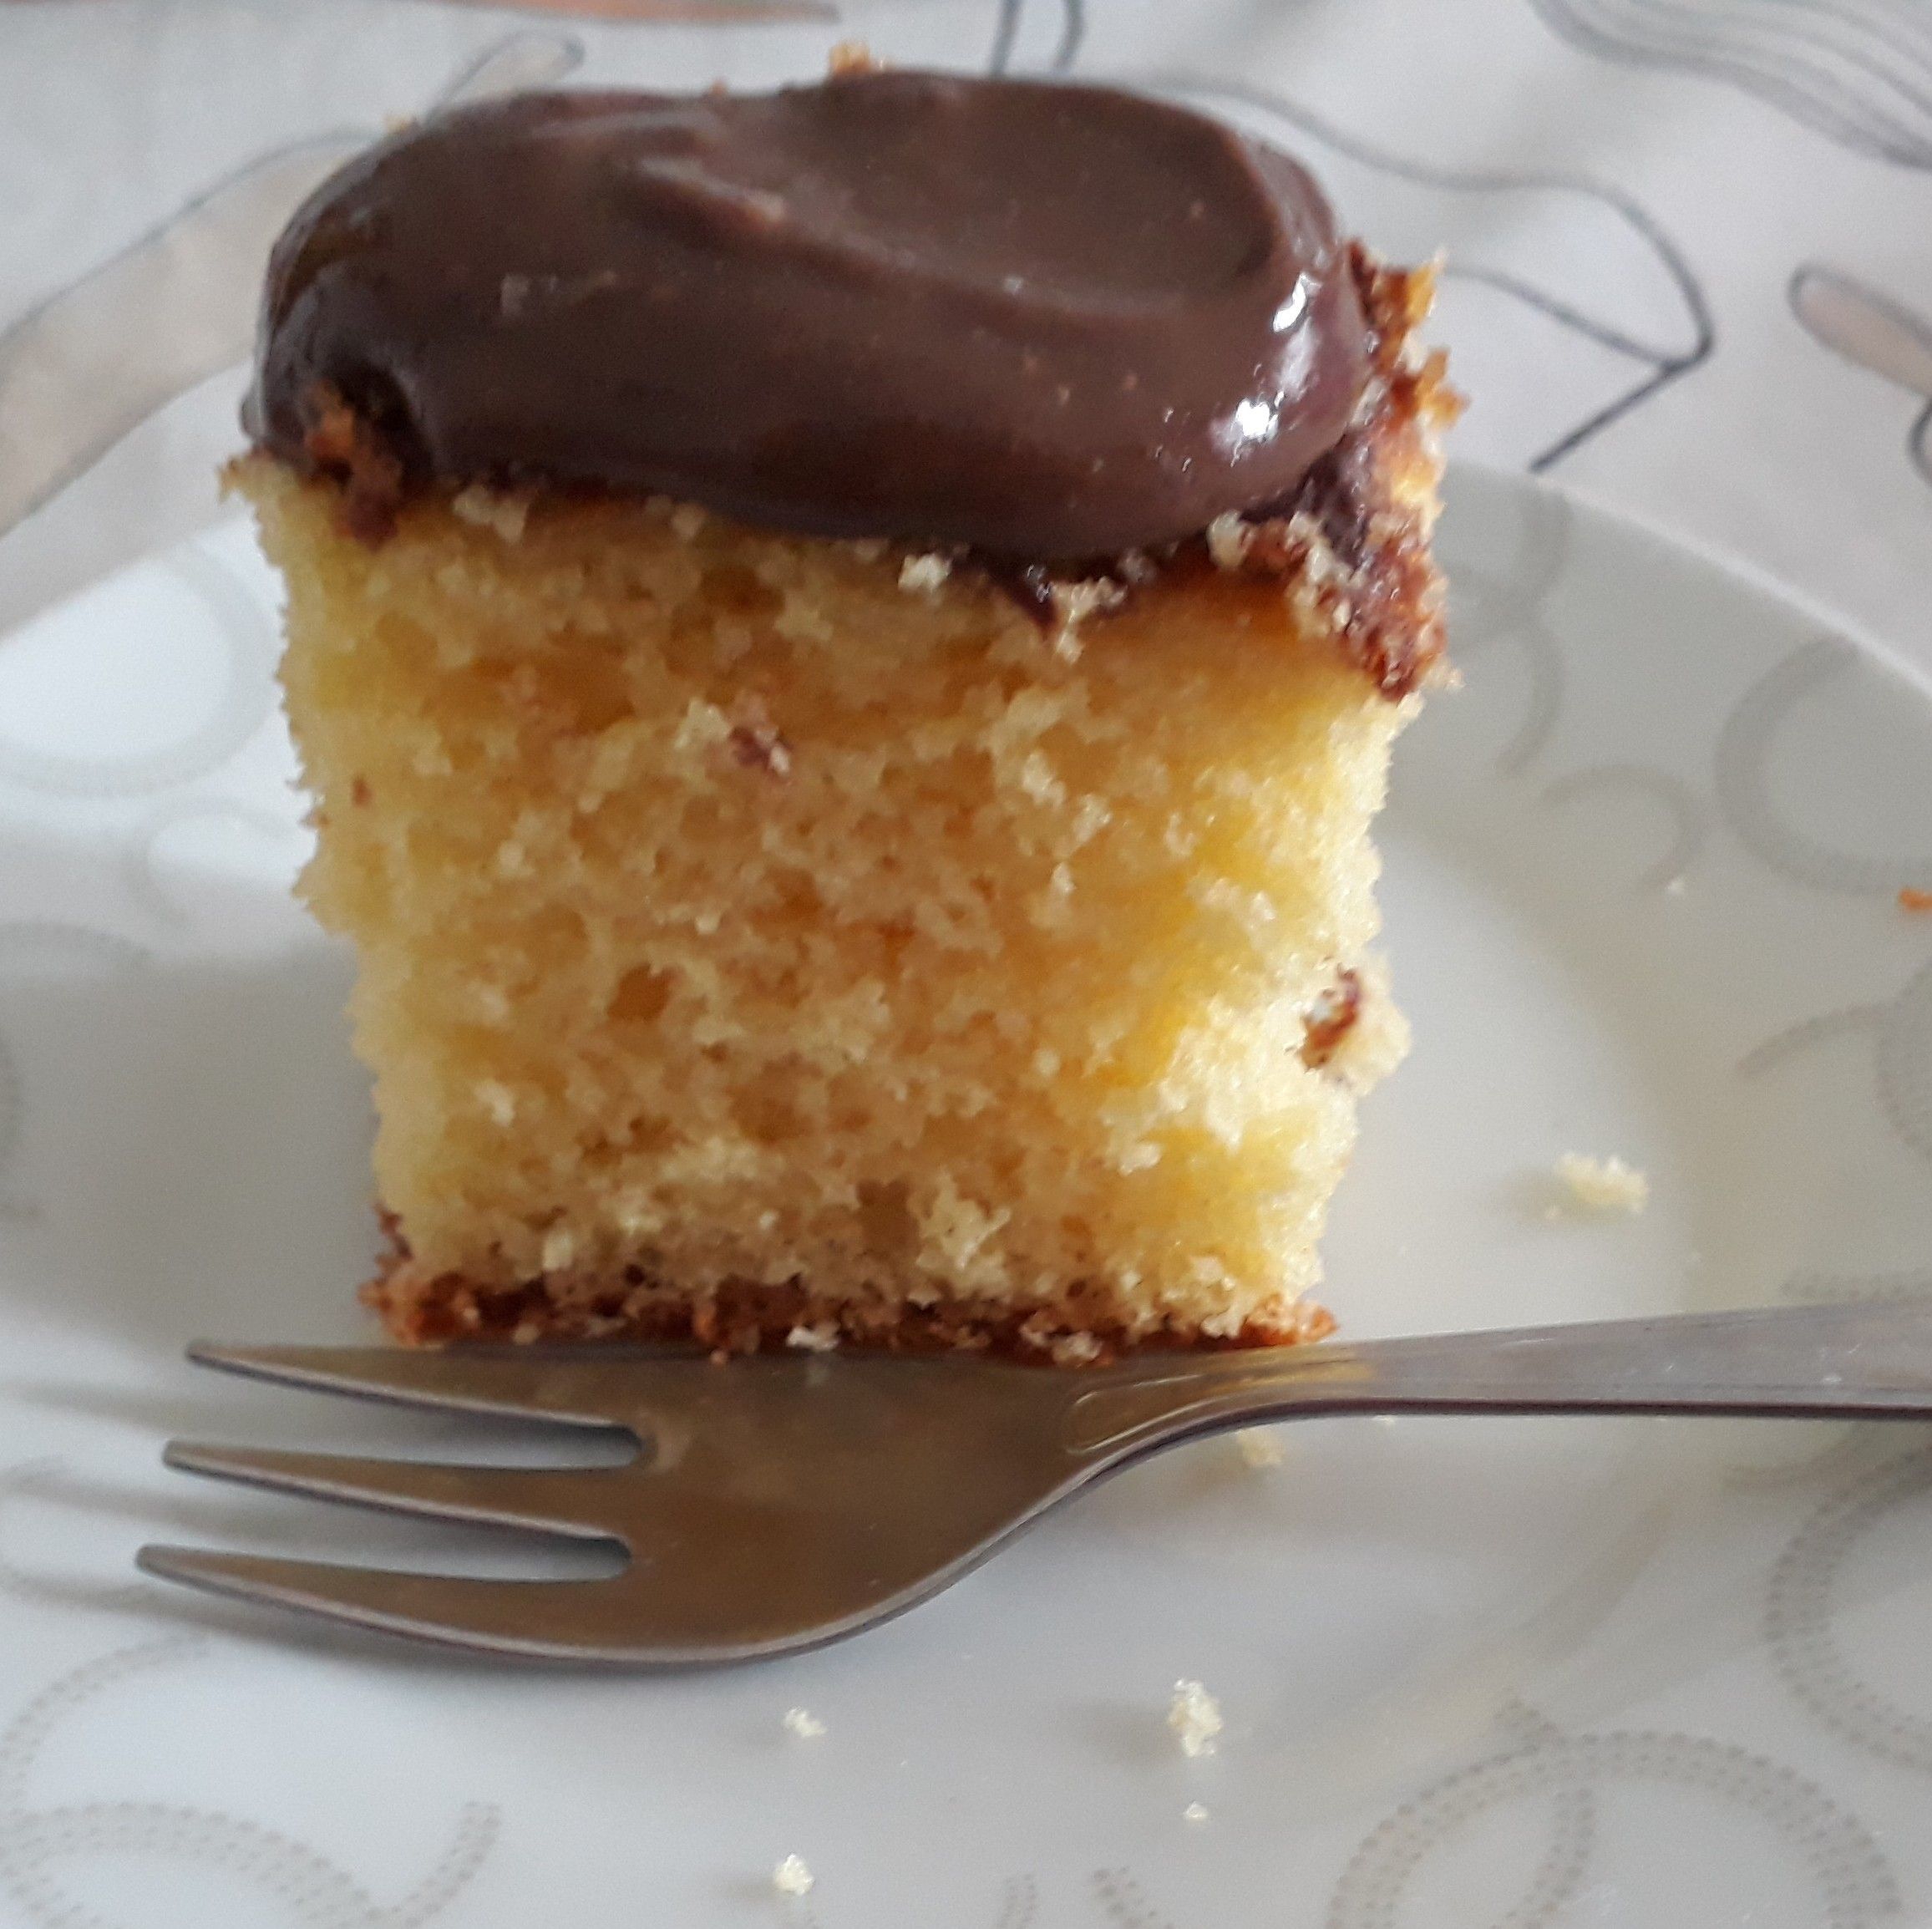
(1871, 1360)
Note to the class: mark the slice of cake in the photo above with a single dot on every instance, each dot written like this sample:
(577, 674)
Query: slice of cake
(846, 644)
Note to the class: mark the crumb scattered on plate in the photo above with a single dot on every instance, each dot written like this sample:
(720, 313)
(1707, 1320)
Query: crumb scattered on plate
(1604, 1185)
(804, 1723)
(792, 1877)
(1911, 899)
(1260, 1448)
(1195, 1718)
(1193, 1812)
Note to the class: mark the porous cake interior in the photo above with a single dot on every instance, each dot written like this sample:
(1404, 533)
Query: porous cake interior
(763, 935)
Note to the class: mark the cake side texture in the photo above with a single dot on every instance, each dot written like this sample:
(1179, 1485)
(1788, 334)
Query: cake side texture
(765, 938)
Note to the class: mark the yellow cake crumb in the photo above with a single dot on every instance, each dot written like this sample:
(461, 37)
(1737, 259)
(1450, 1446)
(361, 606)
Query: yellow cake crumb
(928, 573)
(792, 1877)
(506, 514)
(1195, 1718)
(1260, 1447)
(803, 1723)
(821, 1337)
(1606, 1185)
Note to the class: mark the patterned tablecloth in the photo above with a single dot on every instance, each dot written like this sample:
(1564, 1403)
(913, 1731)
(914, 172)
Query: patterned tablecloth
(1688, 272)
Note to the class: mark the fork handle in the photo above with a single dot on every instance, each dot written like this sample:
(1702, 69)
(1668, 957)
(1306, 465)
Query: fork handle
(1868, 1360)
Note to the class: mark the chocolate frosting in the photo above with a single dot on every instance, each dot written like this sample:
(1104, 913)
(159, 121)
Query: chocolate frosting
(1037, 320)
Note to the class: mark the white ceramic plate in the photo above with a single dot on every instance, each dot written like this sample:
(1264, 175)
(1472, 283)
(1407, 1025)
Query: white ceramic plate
(1643, 898)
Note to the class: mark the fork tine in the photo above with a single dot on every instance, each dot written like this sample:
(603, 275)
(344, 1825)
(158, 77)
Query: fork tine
(544, 1500)
(550, 1386)
(579, 1619)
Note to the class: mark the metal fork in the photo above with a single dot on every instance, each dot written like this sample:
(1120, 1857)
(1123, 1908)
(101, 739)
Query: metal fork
(790, 1499)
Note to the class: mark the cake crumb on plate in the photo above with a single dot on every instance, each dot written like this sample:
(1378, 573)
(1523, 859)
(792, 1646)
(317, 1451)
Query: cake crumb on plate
(1260, 1447)
(1193, 1812)
(804, 1723)
(1604, 1185)
(1195, 1718)
(792, 1877)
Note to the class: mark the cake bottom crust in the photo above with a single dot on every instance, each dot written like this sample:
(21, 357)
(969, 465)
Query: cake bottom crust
(1077, 1327)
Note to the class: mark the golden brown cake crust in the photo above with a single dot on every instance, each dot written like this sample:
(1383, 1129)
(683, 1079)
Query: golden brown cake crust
(421, 1308)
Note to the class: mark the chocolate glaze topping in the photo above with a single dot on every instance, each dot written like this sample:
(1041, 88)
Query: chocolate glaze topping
(1037, 320)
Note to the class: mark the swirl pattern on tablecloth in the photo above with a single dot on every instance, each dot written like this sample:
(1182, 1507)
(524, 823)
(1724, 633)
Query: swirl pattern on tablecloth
(1857, 71)
(1875, 331)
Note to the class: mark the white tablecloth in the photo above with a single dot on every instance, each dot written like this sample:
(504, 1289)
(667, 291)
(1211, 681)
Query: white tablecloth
(1689, 255)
